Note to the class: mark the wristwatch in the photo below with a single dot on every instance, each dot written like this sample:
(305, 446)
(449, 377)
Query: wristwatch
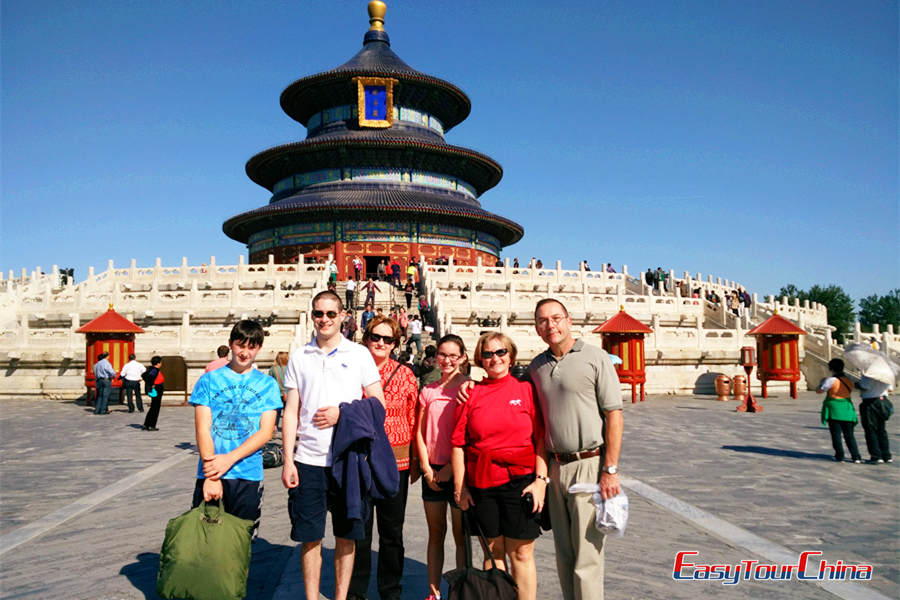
(611, 469)
(544, 478)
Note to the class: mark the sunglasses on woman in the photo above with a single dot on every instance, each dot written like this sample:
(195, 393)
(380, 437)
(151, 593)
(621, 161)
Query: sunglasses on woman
(318, 314)
(488, 355)
(387, 339)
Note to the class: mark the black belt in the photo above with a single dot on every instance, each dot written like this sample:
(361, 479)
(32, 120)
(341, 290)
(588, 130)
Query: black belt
(567, 457)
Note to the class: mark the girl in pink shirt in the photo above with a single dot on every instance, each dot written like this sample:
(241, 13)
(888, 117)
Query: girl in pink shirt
(437, 411)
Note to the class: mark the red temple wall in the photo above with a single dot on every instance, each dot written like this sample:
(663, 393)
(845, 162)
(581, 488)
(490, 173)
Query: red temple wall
(344, 252)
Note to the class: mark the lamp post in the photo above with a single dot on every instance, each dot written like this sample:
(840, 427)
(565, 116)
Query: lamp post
(748, 361)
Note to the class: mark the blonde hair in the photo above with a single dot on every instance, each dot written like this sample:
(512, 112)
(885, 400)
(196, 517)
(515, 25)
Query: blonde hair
(495, 335)
(281, 359)
(382, 320)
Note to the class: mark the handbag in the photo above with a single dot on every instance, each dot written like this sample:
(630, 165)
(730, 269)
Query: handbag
(205, 555)
(272, 455)
(469, 583)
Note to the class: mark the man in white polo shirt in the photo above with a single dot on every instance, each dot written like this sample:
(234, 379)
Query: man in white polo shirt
(319, 377)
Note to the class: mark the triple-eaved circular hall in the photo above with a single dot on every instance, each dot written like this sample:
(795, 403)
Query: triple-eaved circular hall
(374, 177)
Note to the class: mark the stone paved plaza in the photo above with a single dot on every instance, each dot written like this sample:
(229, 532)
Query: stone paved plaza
(85, 501)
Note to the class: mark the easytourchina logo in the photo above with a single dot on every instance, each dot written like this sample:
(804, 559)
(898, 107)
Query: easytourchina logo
(809, 567)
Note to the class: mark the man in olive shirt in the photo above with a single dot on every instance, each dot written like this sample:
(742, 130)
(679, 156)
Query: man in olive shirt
(581, 402)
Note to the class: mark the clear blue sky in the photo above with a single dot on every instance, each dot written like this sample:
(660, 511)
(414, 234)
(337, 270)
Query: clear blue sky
(757, 141)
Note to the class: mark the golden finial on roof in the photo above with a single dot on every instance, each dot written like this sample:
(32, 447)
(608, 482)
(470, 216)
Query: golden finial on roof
(376, 15)
(622, 307)
(110, 306)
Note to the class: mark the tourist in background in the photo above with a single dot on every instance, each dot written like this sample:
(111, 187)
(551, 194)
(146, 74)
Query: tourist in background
(131, 382)
(154, 386)
(357, 267)
(367, 316)
(381, 337)
(103, 377)
(437, 416)
(425, 311)
(348, 326)
(381, 270)
(220, 361)
(370, 288)
(499, 462)
(403, 321)
(408, 291)
(874, 411)
(428, 371)
(415, 334)
(349, 292)
(277, 371)
(395, 273)
(837, 410)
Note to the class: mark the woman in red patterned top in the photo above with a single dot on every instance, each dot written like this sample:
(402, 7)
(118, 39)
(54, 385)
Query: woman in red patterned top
(499, 464)
(401, 393)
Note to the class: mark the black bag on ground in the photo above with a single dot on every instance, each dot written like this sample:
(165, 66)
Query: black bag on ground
(470, 583)
(272, 455)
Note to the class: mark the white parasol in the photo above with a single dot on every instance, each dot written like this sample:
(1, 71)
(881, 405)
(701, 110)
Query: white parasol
(873, 364)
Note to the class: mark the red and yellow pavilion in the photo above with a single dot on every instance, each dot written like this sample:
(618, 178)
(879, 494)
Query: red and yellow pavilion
(777, 348)
(623, 335)
(110, 332)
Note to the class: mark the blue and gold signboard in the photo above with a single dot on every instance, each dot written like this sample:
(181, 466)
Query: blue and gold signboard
(376, 101)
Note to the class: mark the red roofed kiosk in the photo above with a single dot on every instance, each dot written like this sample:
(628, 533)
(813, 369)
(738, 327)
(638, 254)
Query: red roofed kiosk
(623, 335)
(110, 332)
(779, 356)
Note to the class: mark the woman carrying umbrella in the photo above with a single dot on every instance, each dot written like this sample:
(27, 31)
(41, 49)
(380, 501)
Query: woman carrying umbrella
(838, 411)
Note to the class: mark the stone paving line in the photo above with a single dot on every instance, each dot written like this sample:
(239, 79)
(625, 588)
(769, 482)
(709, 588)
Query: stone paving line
(691, 453)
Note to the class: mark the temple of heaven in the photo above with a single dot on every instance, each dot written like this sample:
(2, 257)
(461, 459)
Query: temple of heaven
(374, 177)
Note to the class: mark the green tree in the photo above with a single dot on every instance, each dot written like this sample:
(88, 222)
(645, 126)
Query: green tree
(838, 303)
(835, 299)
(791, 291)
(883, 310)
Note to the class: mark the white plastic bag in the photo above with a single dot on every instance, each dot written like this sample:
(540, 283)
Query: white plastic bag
(611, 516)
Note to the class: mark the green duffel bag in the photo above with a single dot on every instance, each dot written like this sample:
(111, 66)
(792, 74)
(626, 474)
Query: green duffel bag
(205, 556)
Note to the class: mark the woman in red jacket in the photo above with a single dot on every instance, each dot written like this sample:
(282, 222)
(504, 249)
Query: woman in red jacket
(498, 459)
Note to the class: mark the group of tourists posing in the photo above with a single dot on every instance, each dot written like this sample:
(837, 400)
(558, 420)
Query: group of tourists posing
(357, 432)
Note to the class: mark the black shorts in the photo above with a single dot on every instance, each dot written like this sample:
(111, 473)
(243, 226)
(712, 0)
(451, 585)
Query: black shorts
(444, 495)
(500, 511)
(240, 497)
(316, 495)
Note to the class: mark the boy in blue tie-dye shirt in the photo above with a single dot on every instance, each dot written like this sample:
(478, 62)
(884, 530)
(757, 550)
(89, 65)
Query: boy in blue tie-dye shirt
(234, 415)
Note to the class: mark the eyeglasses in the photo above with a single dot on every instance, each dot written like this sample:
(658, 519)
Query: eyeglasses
(318, 314)
(488, 355)
(451, 357)
(555, 319)
(387, 339)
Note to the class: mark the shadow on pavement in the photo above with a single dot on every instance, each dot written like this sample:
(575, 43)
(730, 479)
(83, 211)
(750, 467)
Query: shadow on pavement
(142, 573)
(779, 452)
(266, 564)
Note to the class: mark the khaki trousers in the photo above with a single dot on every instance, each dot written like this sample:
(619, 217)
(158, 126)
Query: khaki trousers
(579, 545)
